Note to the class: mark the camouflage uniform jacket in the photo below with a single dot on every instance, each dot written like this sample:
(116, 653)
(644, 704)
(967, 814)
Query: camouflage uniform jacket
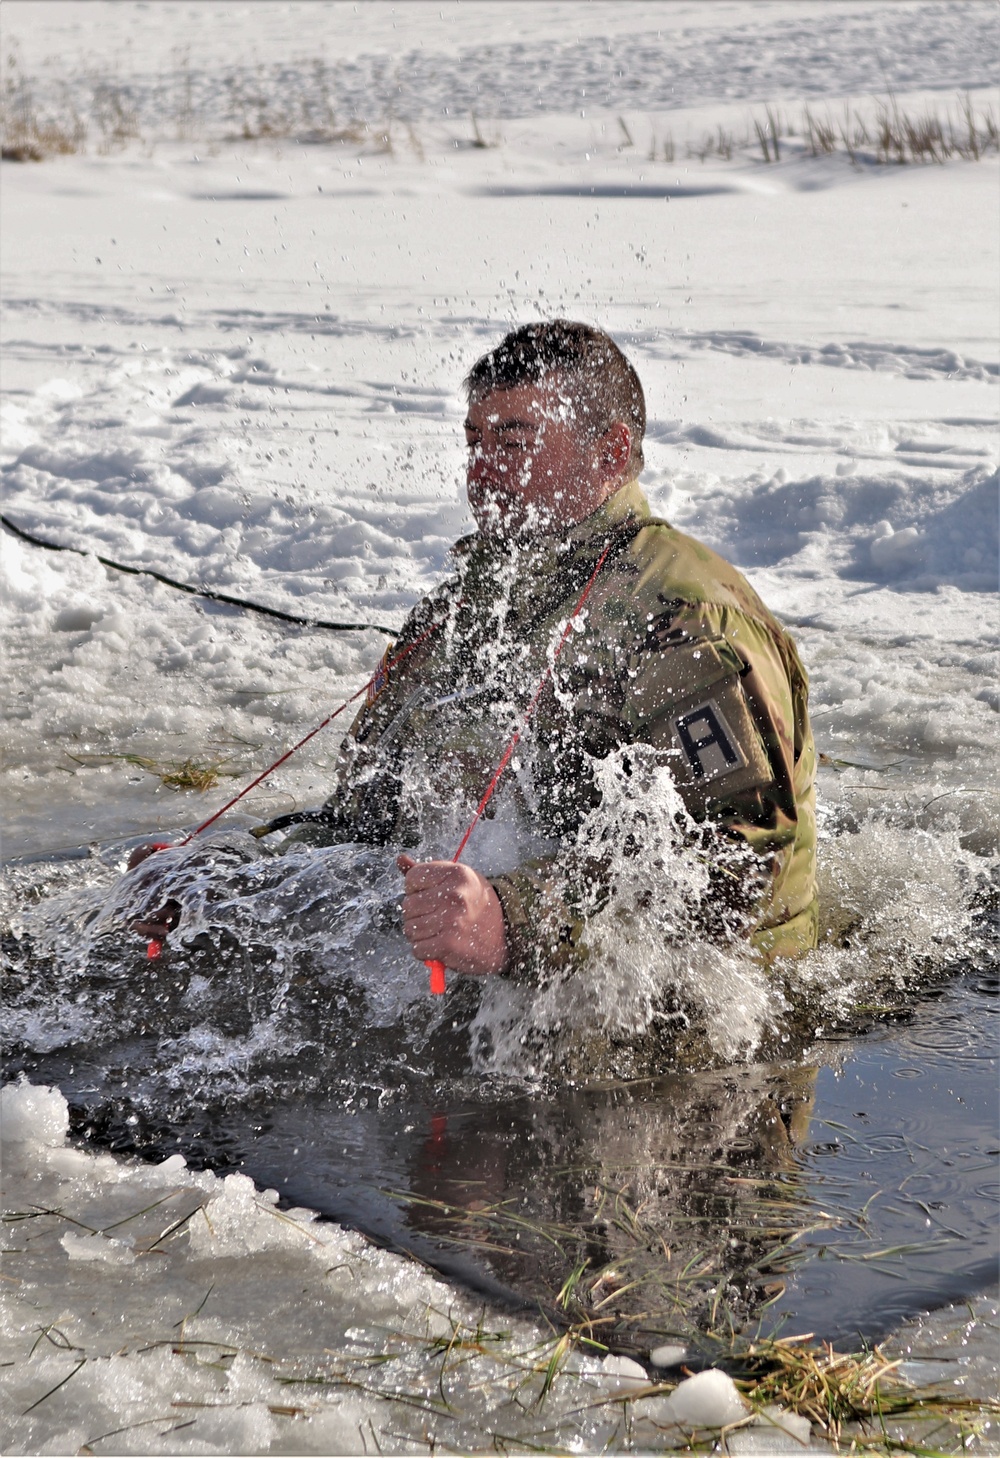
(674, 650)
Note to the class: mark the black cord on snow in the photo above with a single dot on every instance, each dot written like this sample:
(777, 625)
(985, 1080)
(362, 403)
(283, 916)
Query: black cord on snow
(209, 592)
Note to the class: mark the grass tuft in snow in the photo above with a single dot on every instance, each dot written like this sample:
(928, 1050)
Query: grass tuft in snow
(28, 134)
(187, 774)
(42, 118)
(861, 1391)
(889, 135)
(857, 1400)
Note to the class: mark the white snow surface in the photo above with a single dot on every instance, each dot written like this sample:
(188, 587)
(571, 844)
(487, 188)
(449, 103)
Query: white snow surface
(238, 363)
(242, 369)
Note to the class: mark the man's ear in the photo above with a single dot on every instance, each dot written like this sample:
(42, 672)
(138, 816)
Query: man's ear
(615, 450)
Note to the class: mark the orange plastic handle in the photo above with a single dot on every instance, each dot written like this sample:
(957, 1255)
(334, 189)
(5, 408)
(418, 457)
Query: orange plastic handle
(436, 970)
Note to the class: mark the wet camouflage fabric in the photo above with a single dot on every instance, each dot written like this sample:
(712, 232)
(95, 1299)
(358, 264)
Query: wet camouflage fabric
(675, 651)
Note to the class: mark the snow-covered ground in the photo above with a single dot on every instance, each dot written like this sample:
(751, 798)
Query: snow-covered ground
(238, 363)
(243, 371)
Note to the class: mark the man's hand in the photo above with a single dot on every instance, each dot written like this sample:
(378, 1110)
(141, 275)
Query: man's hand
(161, 923)
(452, 914)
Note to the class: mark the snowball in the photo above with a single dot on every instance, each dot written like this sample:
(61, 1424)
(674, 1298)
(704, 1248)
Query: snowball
(626, 1372)
(707, 1400)
(789, 1422)
(896, 550)
(33, 1115)
(667, 1355)
(79, 619)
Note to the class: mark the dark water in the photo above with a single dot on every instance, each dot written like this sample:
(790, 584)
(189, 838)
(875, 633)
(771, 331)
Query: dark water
(837, 1192)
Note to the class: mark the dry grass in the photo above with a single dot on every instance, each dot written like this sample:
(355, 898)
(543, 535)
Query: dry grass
(719, 143)
(32, 131)
(768, 132)
(628, 1273)
(887, 135)
(857, 1401)
(661, 148)
(259, 104)
(29, 135)
(187, 774)
(254, 112)
(859, 1391)
(850, 1397)
(103, 114)
(827, 1387)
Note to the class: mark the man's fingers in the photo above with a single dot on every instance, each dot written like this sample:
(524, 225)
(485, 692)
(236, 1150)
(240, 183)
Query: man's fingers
(430, 898)
(424, 927)
(431, 951)
(422, 875)
(451, 914)
(162, 921)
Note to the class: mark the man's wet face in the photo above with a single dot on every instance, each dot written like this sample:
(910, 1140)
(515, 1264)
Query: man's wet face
(534, 467)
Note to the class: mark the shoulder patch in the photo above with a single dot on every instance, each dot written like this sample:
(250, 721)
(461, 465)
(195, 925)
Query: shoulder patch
(711, 747)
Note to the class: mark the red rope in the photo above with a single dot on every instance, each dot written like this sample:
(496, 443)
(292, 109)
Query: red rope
(505, 760)
(437, 969)
(311, 735)
(155, 946)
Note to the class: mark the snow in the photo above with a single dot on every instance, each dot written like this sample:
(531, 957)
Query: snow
(667, 1355)
(238, 363)
(429, 58)
(33, 1115)
(706, 1400)
(232, 430)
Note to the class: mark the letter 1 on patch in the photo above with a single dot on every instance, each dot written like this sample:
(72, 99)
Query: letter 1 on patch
(708, 742)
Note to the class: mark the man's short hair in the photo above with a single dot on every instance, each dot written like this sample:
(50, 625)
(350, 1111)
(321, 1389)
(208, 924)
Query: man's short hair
(602, 383)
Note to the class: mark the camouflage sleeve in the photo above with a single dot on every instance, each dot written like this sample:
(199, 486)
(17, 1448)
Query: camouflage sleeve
(721, 697)
(709, 688)
(543, 929)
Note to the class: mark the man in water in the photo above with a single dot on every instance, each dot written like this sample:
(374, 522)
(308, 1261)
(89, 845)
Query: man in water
(674, 651)
(674, 658)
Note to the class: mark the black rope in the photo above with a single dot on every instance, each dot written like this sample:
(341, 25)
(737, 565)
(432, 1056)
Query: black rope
(209, 592)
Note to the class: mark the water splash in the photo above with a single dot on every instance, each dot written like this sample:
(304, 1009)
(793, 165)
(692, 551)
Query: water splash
(647, 971)
(290, 969)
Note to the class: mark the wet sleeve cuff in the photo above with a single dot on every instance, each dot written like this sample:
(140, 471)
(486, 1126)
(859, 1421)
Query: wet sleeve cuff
(542, 933)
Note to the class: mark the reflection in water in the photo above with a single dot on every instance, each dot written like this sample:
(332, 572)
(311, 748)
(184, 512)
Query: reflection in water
(640, 1212)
